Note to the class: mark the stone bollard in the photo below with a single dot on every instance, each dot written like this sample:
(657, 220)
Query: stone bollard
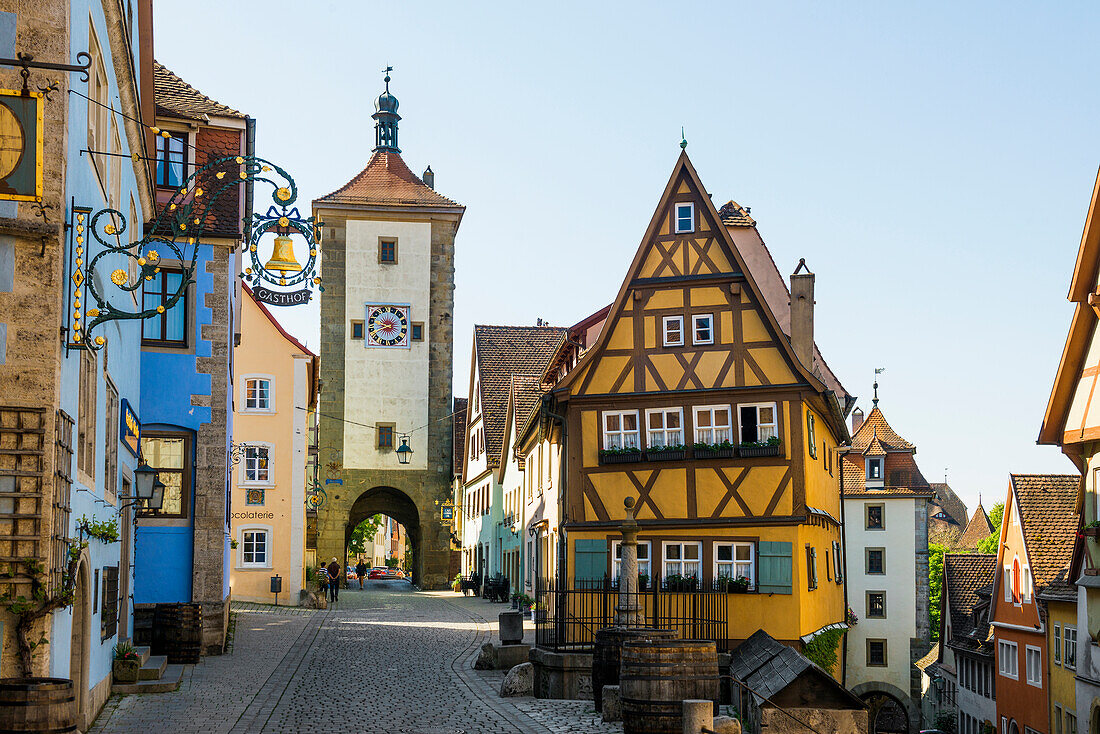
(698, 714)
(510, 627)
(726, 725)
(612, 709)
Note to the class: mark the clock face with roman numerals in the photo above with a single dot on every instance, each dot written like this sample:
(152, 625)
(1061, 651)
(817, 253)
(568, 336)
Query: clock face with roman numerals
(387, 325)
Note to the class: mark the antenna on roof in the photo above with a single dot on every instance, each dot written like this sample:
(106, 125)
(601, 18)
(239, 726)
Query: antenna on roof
(879, 371)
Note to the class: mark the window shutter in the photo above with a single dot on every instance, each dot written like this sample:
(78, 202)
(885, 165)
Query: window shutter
(775, 567)
(838, 563)
(590, 559)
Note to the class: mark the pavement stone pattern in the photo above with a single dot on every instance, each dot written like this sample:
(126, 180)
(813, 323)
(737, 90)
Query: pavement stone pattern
(391, 659)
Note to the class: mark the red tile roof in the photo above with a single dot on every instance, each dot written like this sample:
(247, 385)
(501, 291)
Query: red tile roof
(964, 574)
(735, 215)
(177, 98)
(388, 181)
(504, 351)
(1048, 513)
(877, 433)
(978, 529)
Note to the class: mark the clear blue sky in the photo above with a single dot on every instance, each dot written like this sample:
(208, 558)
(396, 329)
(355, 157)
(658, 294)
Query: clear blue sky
(932, 162)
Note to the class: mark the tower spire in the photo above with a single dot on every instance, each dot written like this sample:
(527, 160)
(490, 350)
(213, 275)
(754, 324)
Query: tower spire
(385, 118)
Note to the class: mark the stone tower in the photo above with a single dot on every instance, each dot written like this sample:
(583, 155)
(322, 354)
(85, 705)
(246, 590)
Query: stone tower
(386, 353)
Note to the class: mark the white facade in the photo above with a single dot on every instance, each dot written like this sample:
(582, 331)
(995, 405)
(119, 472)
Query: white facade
(386, 384)
(896, 541)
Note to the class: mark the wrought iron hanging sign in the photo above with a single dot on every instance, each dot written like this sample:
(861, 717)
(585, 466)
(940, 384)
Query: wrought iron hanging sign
(20, 145)
(271, 279)
(114, 276)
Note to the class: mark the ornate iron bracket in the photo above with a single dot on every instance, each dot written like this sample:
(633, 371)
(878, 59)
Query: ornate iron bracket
(27, 61)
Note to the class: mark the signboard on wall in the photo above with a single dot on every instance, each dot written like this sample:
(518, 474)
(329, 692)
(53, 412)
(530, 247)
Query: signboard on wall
(447, 513)
(20, 145)
(130, 428)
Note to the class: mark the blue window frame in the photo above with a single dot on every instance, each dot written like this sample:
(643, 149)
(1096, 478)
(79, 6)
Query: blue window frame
(685, 218)
(171, 159)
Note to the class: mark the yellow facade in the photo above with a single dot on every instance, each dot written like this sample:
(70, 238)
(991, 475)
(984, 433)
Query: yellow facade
(1060, 616)
(274, 379)
(727, 372)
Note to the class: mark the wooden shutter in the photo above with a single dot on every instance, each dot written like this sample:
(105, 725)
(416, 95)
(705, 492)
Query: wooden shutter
(109, 614)
(590, 560)
(775, 567)
(838, 563)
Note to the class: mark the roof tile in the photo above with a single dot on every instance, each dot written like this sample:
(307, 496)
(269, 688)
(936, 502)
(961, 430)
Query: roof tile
(964, 574)
(876, 432)
(978, 529)
(387, 180)
(1048, 512)
(177, 98)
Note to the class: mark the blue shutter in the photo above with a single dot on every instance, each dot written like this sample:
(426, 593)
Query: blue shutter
(775, 567)
(590, 560)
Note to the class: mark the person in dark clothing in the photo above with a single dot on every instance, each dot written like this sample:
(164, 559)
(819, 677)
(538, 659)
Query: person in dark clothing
(334, 581)
(361, 571)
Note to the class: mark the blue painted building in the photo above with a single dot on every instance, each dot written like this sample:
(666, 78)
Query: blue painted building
(183, 550)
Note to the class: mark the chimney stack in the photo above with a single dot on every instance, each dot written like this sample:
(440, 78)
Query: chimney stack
(802, 314)
(857, 420)
(429, 177)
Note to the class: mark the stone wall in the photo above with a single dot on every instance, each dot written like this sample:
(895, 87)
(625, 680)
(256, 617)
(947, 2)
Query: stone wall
(834, 721)
(922, 643)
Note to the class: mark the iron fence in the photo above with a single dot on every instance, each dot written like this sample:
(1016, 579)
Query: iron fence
(567, 619)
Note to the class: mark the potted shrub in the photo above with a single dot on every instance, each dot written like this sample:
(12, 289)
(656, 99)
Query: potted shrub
(672, 452)
(759, 448)
(722, 450)
(731, 585)
(627, 455)
(456, 583)
(677, 582)
(643, 581)
(127, 663)
(1092, 530)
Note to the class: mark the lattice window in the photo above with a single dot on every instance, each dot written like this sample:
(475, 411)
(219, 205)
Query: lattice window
(109, 607)
(22, 469)
(63, 482)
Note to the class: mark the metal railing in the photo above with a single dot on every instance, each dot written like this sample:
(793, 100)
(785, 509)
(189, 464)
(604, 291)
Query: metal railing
(568, 619)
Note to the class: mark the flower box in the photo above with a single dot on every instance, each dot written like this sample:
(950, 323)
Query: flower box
(681, 585)
(750, 452)
(624, 458)
(126, 671)
(665, 455)
(722, 453)
(1091, 532)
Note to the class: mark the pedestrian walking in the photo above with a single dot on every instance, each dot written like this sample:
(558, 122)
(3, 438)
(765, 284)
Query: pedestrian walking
(361, 571)
(334, 581)
(321, 576)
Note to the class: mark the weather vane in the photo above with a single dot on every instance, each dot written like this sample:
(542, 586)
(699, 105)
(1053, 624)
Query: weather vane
(683, 139)
(878, 371)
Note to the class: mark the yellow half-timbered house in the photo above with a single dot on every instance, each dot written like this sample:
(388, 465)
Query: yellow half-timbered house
(706, 400)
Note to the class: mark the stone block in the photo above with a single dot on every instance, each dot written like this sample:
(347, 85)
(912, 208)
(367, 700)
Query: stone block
(726, 725)
(487, 658)
(565, 675)
(510, 627)
(509, 656)
(612, 704)
(698, 716)
(520, 681)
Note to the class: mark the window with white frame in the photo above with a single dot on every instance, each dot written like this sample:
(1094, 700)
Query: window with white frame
(712, 424)
(1008, 659)
(259, 393)
(1025, 581)
(674, 331)
(734, 561)
(685, 218)
(664, 427)
(644, 566)
(873, 468)
(1057, 644)
(1070, 656)
(620, 429)
(757, 422)
(1034, 666)
(256, 465)
(702, 328)
(255, 548)
(682, 559)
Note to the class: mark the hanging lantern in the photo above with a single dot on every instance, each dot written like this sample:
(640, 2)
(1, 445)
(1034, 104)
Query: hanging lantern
(404, 453)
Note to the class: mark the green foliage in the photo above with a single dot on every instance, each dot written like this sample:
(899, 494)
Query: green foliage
(946, 721)
(822, 650)
(363, 532)
(702, 445)
(989, 545)
(620, 452)
(391, 563)
(104, 530)
(996, 513)
(935, 586)
(125, 651)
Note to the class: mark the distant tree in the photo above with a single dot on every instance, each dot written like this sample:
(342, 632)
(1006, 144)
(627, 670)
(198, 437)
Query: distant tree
(996, 514)
(935, 586)
(363, 532)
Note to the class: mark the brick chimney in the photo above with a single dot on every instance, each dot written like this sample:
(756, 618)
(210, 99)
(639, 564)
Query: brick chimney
(802, 314)
(857, 420)
(429, 177)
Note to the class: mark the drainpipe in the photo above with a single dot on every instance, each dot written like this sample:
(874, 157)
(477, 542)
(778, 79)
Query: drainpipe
(545, 411)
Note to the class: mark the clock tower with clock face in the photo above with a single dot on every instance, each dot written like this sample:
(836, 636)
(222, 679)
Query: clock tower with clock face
(386, 353)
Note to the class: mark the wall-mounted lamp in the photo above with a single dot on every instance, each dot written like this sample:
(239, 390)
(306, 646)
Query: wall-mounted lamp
(404, 453)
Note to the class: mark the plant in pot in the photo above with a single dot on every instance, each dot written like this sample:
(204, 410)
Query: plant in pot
(643, 581)
(623, 455)
(1092, 530)
(720, 450)
(456, 583)
(671, 452)
(127, 663)
(853, 620)
(679, 582)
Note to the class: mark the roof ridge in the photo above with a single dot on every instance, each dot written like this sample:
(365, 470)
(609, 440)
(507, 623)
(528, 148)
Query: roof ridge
(384, 179)
(223, 109)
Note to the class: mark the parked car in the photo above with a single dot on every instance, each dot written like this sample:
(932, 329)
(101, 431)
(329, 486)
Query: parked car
(377, 572)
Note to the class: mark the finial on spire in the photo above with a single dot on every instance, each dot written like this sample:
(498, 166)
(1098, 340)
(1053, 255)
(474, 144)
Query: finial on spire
(386, 79)
(385, 117)
(878, 371)
(683, 139)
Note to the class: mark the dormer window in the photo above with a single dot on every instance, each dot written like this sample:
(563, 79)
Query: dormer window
(685, 218)
(874, 471)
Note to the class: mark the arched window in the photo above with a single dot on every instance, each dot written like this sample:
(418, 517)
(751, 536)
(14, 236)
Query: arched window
(1016, 580)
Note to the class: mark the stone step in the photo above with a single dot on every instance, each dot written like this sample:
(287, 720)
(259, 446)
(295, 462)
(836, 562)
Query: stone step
(169, 681)
(144, 652)
(153, 668)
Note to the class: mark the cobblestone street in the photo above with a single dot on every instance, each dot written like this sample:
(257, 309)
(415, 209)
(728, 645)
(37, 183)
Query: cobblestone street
(387, 659)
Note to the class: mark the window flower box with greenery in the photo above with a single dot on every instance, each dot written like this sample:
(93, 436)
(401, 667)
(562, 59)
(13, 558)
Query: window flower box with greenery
(730, 585)
(723, 450)
(127, 665)
(677, 582)
(628, 455)
(672, 452)
(759, 448)
(643, 581)
(102, 530)
(1092, 530)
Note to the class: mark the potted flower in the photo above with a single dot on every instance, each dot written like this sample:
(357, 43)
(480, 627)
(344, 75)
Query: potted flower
(678, 582)
(750, 449)
(853, 620)
(1092, 530)
(456, 583)
(671, 452)
(127, 663)
(624, 455)
(731, 585)
(722, 450)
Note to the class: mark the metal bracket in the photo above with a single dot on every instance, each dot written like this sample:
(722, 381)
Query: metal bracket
(27, 61)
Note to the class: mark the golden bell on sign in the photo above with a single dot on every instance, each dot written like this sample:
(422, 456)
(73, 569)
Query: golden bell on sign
(282, 257)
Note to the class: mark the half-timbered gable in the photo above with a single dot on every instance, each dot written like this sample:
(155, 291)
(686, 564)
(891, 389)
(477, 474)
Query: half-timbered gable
(705, 399)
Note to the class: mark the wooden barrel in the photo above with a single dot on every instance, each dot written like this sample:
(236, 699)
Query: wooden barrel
(658, 675)
(608, 652)
(179, 628)
(37, 704)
